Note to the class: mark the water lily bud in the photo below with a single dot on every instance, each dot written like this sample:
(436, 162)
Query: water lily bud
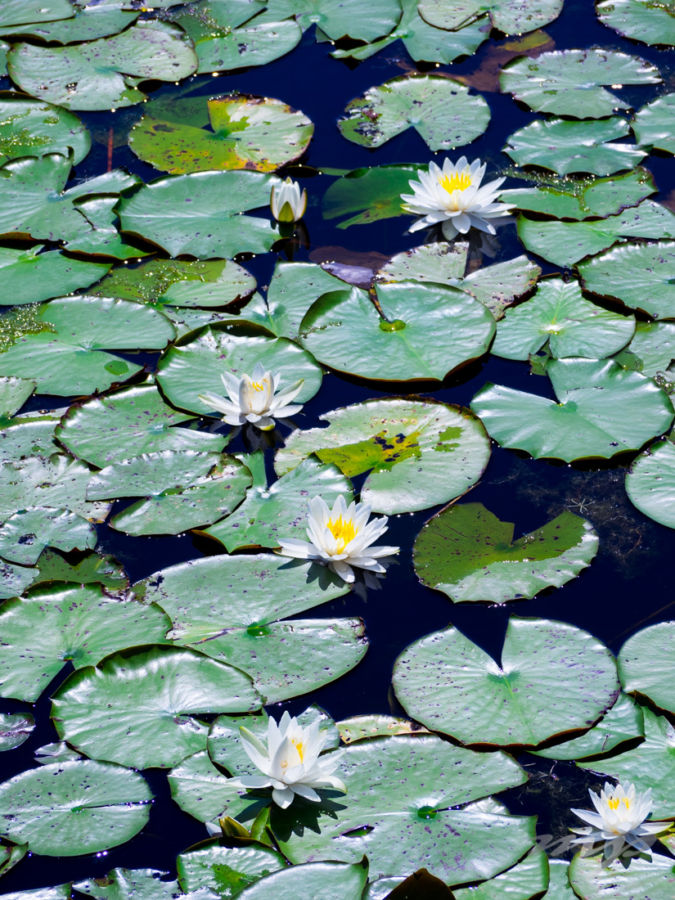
(287, 202)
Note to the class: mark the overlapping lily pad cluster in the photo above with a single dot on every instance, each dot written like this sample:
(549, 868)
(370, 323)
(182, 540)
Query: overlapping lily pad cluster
(163, 673)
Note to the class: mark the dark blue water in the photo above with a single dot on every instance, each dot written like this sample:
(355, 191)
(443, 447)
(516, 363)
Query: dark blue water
(629, 584)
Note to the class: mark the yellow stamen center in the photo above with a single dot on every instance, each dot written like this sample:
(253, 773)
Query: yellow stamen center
(342, 530)
(458, 181)
(300, 747)
(257, 386)
(614, 803)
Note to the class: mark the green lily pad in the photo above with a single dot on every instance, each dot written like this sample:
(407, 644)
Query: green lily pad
(15, 729)
(150, 474)
(653, 878)
(130, 422)
(319, 880)
(226, 870)
(565, 243)
(280, 509)
(60, 892)
(397, 812)
(423, 41)
(292, 290)
(642, 20)
(358, 728)
(559, 318)
(29, 435)
(652, 349)
(602, 410)
(33, 202)
(497, 286)
(98, 235)
(565, 147)
(372, 193)
(645, 664)
(192, 593)
(418, 453)
(200, 214)
(13, 394)
(469, 554)
(222, 45)
(10, 855)
(80, 624)
(94, 568)
(14, 12)
(650, 483)
(15, 579)
(570, 82)
(104, 73)
(623, 722)
(638, 274)
(246, 132)
(440, 109)
(525, 880)
(88, 24)
(59, 482)
(649, 765)
(202, 791)
(563, 677)
(24, 535)
(651, 124)
(572, 198)
(73, 808)
(509, 16)
(30, 276)
(130, 884)
(195, 367)
(441, 263)
(31, 128)
(137, 706)
(173, 282)
(64, 358)
(339, 18)
(420, 331)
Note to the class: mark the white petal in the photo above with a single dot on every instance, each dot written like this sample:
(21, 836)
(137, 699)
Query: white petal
(283, 797)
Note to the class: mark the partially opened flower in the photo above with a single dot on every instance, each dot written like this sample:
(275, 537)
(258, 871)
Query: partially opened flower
(287, 202)
(290, 761)
(254, 399)
(619, 819)
(341, 537)
(453, 197)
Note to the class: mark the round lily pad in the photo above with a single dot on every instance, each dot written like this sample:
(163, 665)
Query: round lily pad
(641, 20)
(50, 627)
(553, 678)
(651, 124)
(221, 869)
(195, 367)
(646, 664)
(466, 552)
(602, 410)
(559, 318)
(136, 707)
(73, 808)
(420, 331)
(650, 483)
(418, 453)
(29, 127)
(104, 73)
(128, 423)
(570, 82)
(509, 16)
(201, 214)
(245, 132)
(30, 276)
(15, 729)
(567, 147)
(638, 274)
(440, 109)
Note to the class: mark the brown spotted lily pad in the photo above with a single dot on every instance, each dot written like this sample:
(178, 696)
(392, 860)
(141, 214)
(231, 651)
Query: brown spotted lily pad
(233, 131)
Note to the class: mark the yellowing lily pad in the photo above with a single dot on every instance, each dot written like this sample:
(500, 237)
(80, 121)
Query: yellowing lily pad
(234, 131)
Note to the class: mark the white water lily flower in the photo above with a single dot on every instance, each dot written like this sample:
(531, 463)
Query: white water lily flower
(619, 819)
(453, 196)
(254, 399)
(290, 762)
(341, 537)
(287, 202)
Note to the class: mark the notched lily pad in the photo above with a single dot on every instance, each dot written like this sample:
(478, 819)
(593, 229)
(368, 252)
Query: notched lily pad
(469, 554)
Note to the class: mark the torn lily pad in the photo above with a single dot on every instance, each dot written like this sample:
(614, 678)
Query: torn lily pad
(571, 82)
(418, 453)
(642, 20)
(469, 554)
(602, 410)
(103, 74)
(560, 319)
(244, 132)
(419, 331)
(650, 482)
(440, 109)
(552, 678)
